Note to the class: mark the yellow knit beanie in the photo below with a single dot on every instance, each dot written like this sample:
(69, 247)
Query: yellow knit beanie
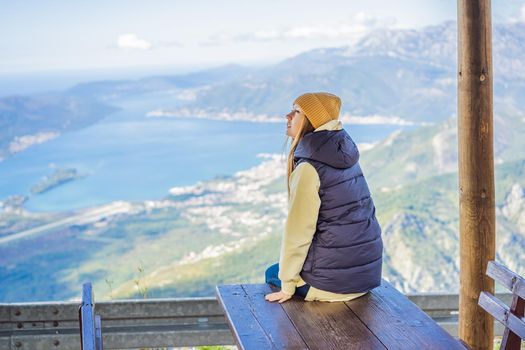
(319, 107)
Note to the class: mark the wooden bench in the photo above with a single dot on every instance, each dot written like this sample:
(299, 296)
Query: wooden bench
(511, 317)
(381, 319)
(90, 324)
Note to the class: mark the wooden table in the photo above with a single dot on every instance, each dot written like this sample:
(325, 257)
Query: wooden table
(381, 319)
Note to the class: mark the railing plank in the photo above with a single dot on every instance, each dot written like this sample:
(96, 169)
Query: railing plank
(509, 279)
(501, 312)
(98, 332)
(511, 340)
(126, 324)
(152, 322)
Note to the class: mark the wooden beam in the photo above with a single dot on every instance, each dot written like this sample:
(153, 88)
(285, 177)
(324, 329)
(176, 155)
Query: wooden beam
(503, 314)
(476, 169)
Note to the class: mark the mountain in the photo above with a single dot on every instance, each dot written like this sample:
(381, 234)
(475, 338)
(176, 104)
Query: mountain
(26, 120)
(428, 151)
(419, 219)
(228, 230)
(392, 72)
(111, 90)
(405, 73)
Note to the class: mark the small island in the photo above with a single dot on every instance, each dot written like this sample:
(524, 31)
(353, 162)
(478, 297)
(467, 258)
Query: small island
(59, 177)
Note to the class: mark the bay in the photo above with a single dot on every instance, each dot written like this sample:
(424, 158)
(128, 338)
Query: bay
(128, 156)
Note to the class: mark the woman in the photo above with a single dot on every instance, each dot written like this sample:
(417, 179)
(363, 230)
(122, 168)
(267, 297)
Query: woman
(331, 249)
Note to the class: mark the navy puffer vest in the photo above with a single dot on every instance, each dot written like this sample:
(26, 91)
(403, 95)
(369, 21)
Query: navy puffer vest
(346, 251)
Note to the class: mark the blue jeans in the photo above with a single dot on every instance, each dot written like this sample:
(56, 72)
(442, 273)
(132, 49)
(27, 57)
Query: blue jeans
(271, 278)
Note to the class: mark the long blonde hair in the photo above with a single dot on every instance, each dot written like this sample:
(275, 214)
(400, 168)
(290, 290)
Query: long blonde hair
(304, 128)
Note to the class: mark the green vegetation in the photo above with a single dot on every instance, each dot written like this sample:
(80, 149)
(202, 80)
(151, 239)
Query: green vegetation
(228, 230)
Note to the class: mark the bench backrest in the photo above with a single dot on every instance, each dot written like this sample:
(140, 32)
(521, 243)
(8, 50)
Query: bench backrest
(511, 317)
(90, 323)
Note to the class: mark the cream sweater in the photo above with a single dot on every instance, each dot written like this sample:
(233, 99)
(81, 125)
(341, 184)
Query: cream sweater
(303, 210)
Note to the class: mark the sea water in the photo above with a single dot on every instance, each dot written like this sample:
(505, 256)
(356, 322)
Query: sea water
(129, 156)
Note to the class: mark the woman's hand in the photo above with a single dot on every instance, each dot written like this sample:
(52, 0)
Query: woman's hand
(280, 296)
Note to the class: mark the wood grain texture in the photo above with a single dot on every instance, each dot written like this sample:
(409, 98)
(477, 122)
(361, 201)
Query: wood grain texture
(476, 168)
(501, 312)
(510, 340)
(508, 278)
(330, 326)
(511, 317)
(398, 323)
(381, 319)
(246, 331)
(273, 318)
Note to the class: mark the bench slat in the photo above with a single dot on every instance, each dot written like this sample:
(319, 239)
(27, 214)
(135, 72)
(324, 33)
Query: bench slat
(511, 340)
(399, 323)
(330, 326)
(510, 280)
(501, 312)
(248, 333)
(273, 318)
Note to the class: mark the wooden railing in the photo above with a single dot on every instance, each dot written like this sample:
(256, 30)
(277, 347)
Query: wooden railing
(146, 323)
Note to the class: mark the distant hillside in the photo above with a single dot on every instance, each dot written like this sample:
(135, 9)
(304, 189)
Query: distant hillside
(404, 73)
(432, 150)
(228, 229)
(401, 72)
(419, 220)
(28, 120)
(110, 90)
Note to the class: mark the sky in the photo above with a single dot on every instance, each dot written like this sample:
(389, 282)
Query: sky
(59, 35)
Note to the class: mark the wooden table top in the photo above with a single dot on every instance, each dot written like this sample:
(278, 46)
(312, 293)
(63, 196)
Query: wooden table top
(381, 319)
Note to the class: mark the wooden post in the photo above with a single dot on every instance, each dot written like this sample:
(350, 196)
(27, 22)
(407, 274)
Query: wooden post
(476, 169)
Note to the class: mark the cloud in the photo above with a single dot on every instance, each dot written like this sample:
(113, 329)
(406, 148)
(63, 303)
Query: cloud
(523, 13)
(358, 26)
(132, 41)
